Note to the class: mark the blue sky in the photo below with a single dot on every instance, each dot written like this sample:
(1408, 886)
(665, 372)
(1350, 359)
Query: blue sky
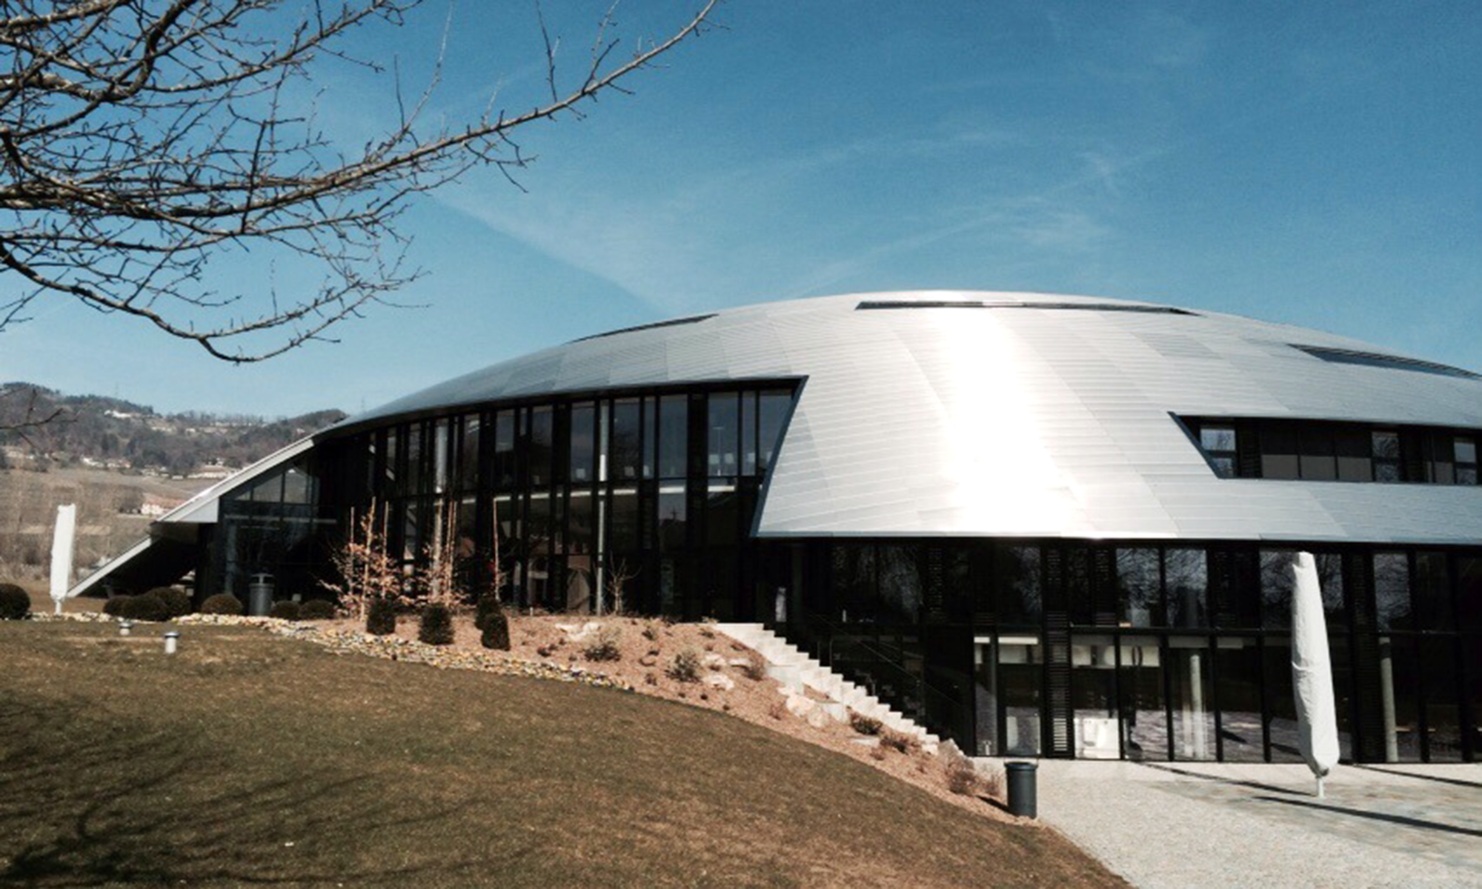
(1315, 164)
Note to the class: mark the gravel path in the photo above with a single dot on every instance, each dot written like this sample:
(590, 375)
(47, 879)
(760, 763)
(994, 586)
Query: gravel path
(1208, 825)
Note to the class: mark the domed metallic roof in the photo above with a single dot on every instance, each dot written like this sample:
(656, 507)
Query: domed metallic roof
(1009, 414)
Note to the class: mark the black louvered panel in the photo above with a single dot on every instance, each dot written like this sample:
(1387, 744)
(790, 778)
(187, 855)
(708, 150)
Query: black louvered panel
(1368, 690)
(933, 598)
(1104, 586)
(1059, 742)
(1247, 450)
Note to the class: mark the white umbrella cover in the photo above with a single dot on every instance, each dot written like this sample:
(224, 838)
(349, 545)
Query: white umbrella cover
(1312, 671)
(61, 553)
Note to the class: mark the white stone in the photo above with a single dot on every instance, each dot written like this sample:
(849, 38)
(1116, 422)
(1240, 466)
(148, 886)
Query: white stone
(800, 705)
(713, 661)
(720, 681)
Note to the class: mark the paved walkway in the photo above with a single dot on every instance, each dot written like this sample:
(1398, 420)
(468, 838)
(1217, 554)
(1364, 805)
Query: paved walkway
(1206, 824)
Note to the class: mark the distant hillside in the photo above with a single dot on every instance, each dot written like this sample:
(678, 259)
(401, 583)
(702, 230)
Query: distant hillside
(99, 432)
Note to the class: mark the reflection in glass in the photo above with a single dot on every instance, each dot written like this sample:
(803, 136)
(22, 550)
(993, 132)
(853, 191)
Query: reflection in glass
(1187, 576)
(1431, 593)
(627, 448)
(1019, 671)
(1281, 705)
(1392, 591)
(673, 436)
(723, 436)
(1386, 456)
(1192, 689)
(1438, 664)
(1018, 586)
(468, 455)
(1398, 704)
(1238, 689)
(900, 583)
(773, 414)
(1093, 661)
(1276, 589)
(583, 450)
(1140, 597)
(1140, 683)
(542, 444)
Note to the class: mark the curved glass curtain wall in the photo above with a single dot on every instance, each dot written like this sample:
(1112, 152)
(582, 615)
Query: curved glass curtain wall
(1174, 652)
(640, 501)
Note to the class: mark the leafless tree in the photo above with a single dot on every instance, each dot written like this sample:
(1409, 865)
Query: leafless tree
(139, 139)
(21, 413)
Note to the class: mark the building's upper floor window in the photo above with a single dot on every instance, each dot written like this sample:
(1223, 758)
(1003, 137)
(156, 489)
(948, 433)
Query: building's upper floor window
(1218, 443)
(1320, 450)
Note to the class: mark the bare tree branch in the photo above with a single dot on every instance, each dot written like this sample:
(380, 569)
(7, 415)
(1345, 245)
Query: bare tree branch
(140, 139)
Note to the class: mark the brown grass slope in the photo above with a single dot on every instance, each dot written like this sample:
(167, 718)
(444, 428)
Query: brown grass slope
(249, 759)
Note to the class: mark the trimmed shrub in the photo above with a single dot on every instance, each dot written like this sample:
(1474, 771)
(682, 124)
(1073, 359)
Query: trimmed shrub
(146, 607)
(114, 606)
(15, 603)
(380, 617)
(962, 777)
(436, 625)
(898, 741)
(605, 645)
(285, 610)
(222, 603)
(177, 601)
(488, 604)
(496, 631)
(865, 725)
(686, 666)
(316, 609)
(755, 668)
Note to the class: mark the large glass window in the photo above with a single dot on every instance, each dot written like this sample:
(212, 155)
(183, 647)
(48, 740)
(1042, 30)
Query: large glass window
(1392, 592)
(1238, 688)
(542, 445)
(1140, 599)
(724, 436)
(1140, 681)
(627, 444)
(1191, 686)
(773, 410)
(583, 465)
(1218, 443)
(1188, 588)
(1386, 456)
(1465, 450)
(673, 436)
(1018, 586)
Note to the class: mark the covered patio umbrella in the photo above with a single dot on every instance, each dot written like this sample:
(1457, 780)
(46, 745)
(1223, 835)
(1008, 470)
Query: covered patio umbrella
(61, 553)
(1312, 671)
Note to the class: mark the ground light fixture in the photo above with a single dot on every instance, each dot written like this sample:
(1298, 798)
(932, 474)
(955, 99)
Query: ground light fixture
(172, 641)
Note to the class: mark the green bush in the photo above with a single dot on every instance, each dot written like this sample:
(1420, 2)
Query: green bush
(177, 601)
(114, 606)
(436, 625)
(286, 610)
(686, 666)
(15, 603)
(496, 631)
(380, 617)
(488, 604)
(316, 609)
(146, 607)
(222, 603)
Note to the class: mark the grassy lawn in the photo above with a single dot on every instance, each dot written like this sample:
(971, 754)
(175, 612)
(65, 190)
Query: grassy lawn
(252, 759)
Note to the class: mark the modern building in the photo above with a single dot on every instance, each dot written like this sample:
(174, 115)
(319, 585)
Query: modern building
(1039, 524)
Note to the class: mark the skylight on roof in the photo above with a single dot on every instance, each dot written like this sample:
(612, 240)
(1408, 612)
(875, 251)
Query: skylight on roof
(1019, 304)
(673, 322)
(1391, 362)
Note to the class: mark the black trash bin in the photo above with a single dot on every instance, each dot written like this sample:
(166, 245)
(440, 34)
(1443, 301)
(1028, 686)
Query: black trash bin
(1023, 796)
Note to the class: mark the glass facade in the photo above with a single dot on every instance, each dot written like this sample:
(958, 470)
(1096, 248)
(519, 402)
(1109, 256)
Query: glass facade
(638, 501)
(1131, 651)
(645, 500)
(1317, 450)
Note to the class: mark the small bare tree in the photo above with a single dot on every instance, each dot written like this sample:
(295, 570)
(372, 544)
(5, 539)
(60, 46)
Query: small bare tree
(436, 580)
(139, 139)
(366, 571)
(616, 581)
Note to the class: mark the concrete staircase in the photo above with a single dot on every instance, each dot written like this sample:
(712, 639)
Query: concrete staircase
(796, 671)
